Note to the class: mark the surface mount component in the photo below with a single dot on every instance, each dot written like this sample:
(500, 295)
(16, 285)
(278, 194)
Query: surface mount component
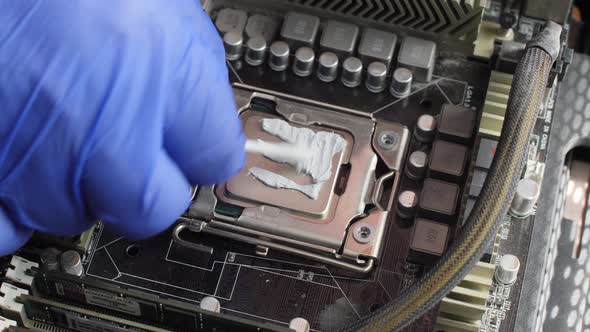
(299, 324)
(304, 58)
(339, 38)
(439, 197)
(526, 196)
(345, 225)
(407, 203)
(430, 236)
(376, 77)
(416, 165)
(352, 72)
(300, 29)
(71, 263)
(448, 158)
(210, 303)
(256, 51)
(50, 259)
(279, 56)
(229, 19)
(327, 67)
(262, 25)
(429, 241)
(401, 84)
(232, 42)
(419, 56)
(377, 45)
(425, 129)
(456, 122)
(507, 269)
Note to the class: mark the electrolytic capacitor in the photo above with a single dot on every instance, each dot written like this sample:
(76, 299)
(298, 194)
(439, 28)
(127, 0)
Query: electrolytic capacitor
(401, 84)
(279, 56)
(507, 269)
(425, 129)
(416, 166)
(304, 58)
(352, 72)
(71, 263)
(232, 42)
(256, 51)
(376, 77)
(525, 198)
(299, 324)
(210, 303)
(327, 67)
(407, 201)
(50, 259)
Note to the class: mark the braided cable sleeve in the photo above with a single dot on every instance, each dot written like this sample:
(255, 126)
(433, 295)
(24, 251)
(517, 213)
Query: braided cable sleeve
(526, 95)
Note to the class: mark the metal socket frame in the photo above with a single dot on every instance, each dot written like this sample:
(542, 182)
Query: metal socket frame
(338, 238)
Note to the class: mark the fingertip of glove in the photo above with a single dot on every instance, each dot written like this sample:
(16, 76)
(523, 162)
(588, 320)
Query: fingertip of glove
(232, 165)
(164, 199)
(220, 162)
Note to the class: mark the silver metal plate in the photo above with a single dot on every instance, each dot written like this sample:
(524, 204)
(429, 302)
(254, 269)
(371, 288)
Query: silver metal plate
(246, 191)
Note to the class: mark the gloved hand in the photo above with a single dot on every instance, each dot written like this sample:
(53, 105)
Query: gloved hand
(110, 110)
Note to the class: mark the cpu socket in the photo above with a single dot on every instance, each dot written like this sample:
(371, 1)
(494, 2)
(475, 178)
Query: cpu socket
(344, 226)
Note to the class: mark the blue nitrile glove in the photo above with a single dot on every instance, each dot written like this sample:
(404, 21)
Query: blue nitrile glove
(109, 109)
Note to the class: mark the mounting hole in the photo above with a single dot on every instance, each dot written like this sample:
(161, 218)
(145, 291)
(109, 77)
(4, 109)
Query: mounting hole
(426, 103)
(133, 250)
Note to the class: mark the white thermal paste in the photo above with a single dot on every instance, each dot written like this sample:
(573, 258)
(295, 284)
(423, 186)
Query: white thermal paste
(286, 152)
(275, 180)
(319, 148)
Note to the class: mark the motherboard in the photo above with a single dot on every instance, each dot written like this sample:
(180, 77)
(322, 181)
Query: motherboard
(418, 92)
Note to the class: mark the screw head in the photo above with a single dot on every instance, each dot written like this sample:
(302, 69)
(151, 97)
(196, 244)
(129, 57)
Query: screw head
(388, 140)
(363, 233)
